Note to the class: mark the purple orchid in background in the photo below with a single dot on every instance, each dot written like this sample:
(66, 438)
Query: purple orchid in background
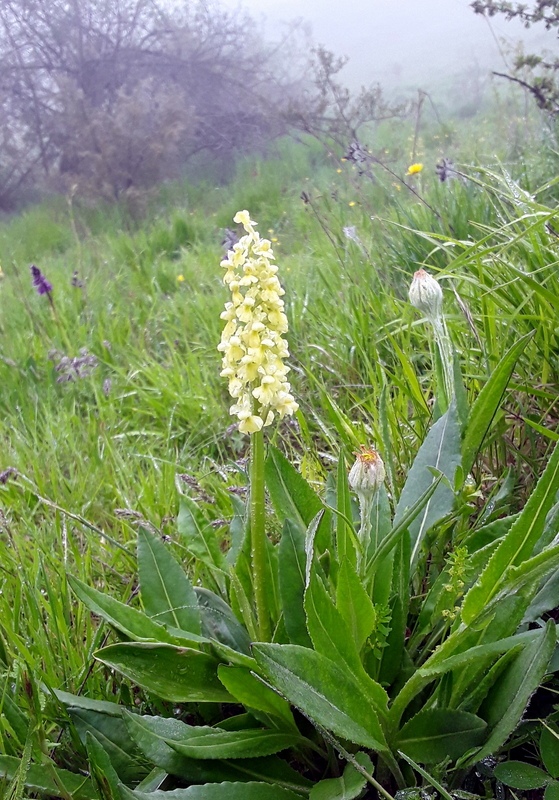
(42, 285)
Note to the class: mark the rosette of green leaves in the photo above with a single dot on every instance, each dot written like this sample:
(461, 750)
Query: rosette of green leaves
(429, 656)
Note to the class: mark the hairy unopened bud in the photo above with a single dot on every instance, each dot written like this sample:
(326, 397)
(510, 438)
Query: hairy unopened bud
(426, 295)
(367, 474)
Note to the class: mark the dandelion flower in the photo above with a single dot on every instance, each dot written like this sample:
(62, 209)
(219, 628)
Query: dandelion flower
(414, 169)
(180, 278)
(252, 340)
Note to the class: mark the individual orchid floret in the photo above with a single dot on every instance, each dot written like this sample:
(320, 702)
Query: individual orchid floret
(252, 340)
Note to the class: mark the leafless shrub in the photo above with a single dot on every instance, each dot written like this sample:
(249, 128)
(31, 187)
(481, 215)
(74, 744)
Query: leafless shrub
(113, 96)
(535, 73)
(328, 110)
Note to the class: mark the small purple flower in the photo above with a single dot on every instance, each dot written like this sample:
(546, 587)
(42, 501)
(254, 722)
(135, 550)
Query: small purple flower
(76, 282)
(230, 238)
(10, 472)
(40, 282)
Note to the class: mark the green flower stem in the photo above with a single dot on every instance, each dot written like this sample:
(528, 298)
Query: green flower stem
(445, 350)
(258, 542)
(365, 508)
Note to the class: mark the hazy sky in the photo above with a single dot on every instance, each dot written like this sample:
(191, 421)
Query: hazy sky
(402, 41)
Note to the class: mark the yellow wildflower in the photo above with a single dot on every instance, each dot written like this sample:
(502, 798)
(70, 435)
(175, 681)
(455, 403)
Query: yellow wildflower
(180, 278)
(339, 171)
(351, 203)
(414, 169)
(251, 342)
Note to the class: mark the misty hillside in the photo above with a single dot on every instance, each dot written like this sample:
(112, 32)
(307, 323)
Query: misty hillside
(401, 42)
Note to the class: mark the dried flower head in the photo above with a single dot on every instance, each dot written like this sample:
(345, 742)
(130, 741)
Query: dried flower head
(426, 295)
(72, 369)
(5, 475)
(356, 153)
(445, 170)
(39, 281)
(252, 341)
(229, 240)
(367, 474)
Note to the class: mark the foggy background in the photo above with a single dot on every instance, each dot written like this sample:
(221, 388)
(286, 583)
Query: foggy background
(107, 100)
(401, 43)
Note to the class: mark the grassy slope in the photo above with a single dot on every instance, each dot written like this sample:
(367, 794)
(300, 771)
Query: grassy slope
(110, 447)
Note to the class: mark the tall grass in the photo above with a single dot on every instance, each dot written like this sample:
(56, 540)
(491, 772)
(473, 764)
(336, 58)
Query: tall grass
(94, 456)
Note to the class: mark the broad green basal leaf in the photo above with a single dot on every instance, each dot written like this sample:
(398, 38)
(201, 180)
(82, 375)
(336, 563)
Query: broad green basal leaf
(434, 735)
(324, 691)
(40, 778)
(292, 496)
(247, 689)
(441, 450)
(212, 743)
(167, 594)
(179, 674)
(509, 697)
(217, 791)
(549, 748)
(219, 623)
(132, 623)
(153, 735)
(347, 787)
(103, 774)
(112, 735)
(520, 775)
(291, 570)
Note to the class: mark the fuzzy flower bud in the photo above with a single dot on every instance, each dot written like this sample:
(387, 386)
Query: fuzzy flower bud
(426, 295)
(251, 342)
(367, 474)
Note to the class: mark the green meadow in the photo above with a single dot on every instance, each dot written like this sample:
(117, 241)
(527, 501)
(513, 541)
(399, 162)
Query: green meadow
(131, 595)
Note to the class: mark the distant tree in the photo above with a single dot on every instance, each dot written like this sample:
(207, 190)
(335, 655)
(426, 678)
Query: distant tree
(538, 74)
(329, 111)
(111, 96)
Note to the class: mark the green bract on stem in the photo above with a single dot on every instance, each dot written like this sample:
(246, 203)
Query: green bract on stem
(254, 350)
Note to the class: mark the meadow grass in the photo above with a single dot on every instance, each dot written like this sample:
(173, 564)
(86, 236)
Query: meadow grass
(94, 456)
